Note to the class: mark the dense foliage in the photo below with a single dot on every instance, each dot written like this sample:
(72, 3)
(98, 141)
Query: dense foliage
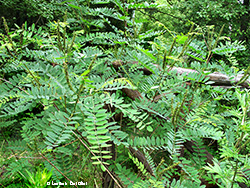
(209, 15)
(94, 96)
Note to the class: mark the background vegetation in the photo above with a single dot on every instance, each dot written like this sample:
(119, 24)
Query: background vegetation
(92, 91)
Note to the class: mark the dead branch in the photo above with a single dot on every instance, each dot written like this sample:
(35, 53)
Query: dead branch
(219, 79)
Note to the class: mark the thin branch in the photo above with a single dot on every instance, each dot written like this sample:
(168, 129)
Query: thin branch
(55, 167)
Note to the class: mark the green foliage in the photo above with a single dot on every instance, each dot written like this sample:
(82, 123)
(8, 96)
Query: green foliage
(126, 176)
(39, 179)
(209, 15)
(39, 13)
(78, 97)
